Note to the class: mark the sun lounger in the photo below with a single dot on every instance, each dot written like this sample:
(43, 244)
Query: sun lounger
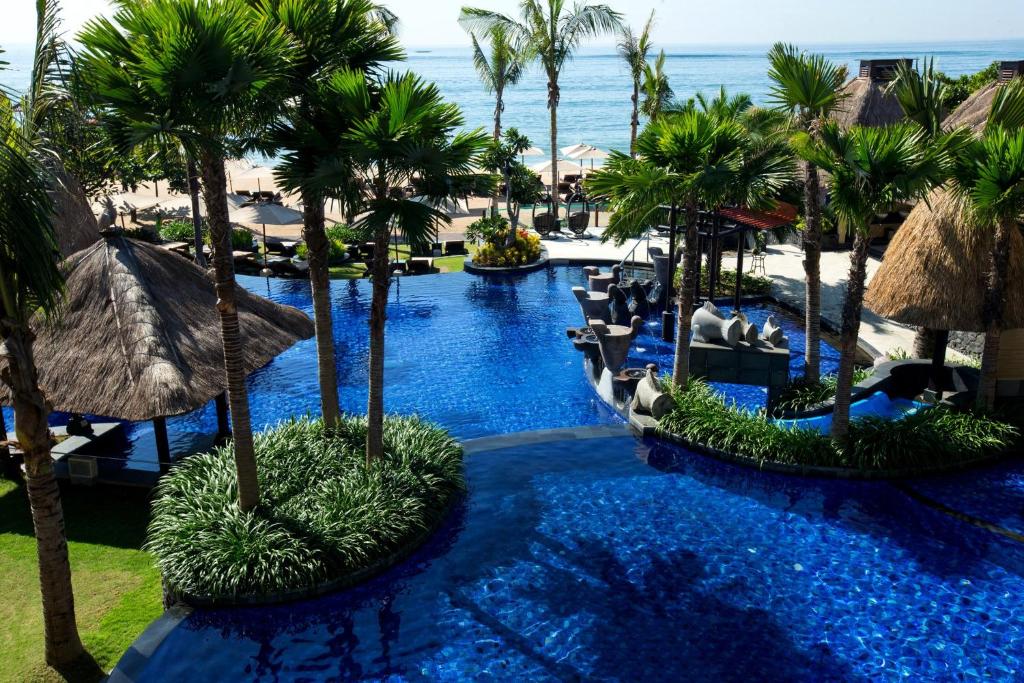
(420, 265)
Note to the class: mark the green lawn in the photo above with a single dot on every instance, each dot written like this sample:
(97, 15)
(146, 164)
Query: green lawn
(117, 587)
(445, 264)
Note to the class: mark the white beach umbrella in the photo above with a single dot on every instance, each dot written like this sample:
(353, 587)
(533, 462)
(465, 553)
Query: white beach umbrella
(264, 214)
(573, 149)
(531, 152)
(584, 152)
(543, 167)
(259, 178)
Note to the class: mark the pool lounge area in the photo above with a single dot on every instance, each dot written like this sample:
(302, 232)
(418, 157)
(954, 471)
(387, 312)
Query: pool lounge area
(582, 552)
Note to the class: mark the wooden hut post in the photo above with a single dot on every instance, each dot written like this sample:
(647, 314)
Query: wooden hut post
(741, 236)
(163, 446)
(939, 362)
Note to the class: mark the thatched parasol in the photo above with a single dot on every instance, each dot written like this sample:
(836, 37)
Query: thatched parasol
(139, 336)
(973, 112)
(935, 269)
(865, 102)
(73, 220)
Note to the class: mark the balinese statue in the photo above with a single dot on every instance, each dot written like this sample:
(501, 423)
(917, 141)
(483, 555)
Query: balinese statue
(598, 281)
(748, 330)
(640, 305)
(619, 306)
(773, 334)
(593, 304)
(615, 341)
(710, 326)
(649, 399)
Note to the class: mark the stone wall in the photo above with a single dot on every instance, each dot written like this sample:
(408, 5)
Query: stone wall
(968, 343)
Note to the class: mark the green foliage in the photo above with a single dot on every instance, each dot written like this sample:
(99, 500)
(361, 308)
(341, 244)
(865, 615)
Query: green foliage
(803, 395)
(806, 85)
(934, 437)
(897, 353)
(325, 512)
(339, 232)
(498, 251)
(487, 229)
(178, 231)
(960, 88)
(753, 285)
(241, 239)
(921, 94)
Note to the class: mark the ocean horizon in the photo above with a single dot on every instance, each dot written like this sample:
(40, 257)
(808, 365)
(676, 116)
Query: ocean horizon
(595, 99)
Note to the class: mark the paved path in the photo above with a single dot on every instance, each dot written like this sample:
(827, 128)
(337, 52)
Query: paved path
(784, 265)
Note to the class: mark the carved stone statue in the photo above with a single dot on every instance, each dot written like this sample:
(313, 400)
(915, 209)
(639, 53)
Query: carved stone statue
(615, 341)
(592, 304)
(598, 281)
(773, 334)
(640, 305)
(709, 326)
(649, 399)
(748, 330)
(621, 314)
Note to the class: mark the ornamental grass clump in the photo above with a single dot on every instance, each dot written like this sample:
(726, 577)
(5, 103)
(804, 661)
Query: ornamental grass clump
(927, 439)
(325, 513)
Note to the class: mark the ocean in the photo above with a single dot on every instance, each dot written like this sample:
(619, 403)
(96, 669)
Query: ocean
(595, 105)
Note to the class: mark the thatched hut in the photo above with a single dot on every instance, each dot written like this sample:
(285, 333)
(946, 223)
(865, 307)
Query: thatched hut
(139, 336)
(73, 221)
(934, 272)
(865, 100)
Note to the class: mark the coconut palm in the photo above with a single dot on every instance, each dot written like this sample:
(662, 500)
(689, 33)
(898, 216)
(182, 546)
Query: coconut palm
(872, 170)
(658, 95)
(550, 31)
(31, 281)
(399, 129)
(502, 69)
(195, 72)
(634, 49)
(808, 87)
(327, 35)
(989, 174)
(688, 160)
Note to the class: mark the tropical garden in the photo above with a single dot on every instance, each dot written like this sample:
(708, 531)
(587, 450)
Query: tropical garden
(320, 503)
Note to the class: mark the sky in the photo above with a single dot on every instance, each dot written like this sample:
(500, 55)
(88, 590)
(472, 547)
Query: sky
(701, 22)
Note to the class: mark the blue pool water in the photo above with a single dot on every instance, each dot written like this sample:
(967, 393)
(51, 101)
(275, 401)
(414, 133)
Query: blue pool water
(612, 559)
(875, 405)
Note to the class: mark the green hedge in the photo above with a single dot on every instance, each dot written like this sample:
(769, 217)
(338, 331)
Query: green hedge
(802, 395)
(324, 514)
(753, 285)
(927, 439)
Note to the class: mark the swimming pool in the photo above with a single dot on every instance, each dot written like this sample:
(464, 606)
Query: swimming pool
(615, 559)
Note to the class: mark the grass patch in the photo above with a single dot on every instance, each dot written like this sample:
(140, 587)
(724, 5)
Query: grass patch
(802, 395)
(116, 584)
(753, 285)
(324, 514)
(930, 438)
(354, 270)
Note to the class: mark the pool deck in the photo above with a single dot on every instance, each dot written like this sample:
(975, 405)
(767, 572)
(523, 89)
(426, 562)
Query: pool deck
(784, 265)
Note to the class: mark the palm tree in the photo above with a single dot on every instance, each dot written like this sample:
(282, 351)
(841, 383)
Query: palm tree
(551, 31)
(634, 49)
(326, 35)
(988, 174)
(658, 95)
(502, 69)
(195, 72)
(399, 129)
(872, 169)
(723, 105)
(808, 86)
(31, 281)
(687, 160)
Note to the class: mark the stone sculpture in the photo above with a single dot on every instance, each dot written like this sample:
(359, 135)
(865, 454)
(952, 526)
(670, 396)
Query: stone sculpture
(598, 281)
(710, 326)
(615, 340)
(640, 305)
(748, 330)
(592, 304)
(649, 399)
(773, 334)
(621, 313)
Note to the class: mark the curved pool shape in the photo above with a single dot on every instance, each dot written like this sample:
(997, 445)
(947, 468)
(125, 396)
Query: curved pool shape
(613, 559)
(877, 404)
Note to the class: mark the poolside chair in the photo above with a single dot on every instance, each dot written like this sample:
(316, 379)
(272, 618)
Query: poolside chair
(420, 266)
(545, 224)
(578, 224)
(452, 247)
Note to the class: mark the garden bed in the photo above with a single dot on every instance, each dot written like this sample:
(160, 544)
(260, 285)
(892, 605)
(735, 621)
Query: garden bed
(326, 520)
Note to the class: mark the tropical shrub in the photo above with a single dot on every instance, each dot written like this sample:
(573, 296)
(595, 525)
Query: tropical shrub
(753, 285)
(142, 234)
(325, 512)
(336, 252)
(177, 231)
(345, 234)
(241, 239)
(802, 395)
(496, 250)
(929, 438)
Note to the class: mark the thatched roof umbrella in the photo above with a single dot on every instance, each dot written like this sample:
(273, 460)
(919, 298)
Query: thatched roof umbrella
(139, 337)
(865, 101)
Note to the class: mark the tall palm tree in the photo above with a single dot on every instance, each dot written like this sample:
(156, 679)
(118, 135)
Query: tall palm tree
(502, 69)
(327, 35)
(658, 94)
(988, 173)
(872, 169)
(31, 281)
(808, 86)
(195, 72)
(399, 129)
(687, 160)
(634, 50)
(551, 31)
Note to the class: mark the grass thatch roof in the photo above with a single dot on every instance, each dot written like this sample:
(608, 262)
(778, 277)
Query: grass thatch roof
(935, 269)
(140, 337)
(73, 221)
(973, 112)
(865, 102)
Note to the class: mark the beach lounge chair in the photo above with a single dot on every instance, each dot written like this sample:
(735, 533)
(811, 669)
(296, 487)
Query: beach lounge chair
(454, 247)
(545, 224)
(578, 223)
(420, 265)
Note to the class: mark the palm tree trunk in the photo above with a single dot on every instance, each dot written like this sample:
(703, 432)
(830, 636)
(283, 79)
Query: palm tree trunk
(812, 274)
(318, 246)
(498, 107)
(553, 108)
(215, 193)
(924, 343)
(849, 332)
(197, 219)
(995, 307)
(634, 122)
(378, 316)
(63, 647)
(684, 298)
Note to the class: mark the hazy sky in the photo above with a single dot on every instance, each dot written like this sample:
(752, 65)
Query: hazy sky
(432, 22)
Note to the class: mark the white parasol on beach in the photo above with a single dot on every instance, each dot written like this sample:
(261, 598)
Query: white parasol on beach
(582, 153)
